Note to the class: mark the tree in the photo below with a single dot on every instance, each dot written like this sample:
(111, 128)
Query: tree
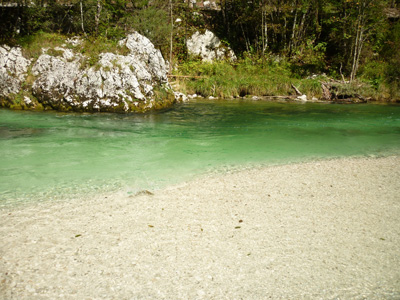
(351, 25)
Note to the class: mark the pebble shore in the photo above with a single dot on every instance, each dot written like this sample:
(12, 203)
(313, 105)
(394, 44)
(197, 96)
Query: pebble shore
(318, 230)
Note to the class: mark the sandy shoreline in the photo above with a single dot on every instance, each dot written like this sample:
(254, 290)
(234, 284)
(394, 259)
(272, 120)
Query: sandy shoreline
(318, 230)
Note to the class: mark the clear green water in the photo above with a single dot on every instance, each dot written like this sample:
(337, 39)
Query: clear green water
(55, 156)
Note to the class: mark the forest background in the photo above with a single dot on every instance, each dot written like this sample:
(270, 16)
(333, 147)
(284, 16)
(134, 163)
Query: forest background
(279, 43)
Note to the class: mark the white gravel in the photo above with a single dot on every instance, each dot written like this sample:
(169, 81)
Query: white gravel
(319, 230)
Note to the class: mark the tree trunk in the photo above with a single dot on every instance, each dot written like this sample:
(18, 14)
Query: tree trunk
(97, 16)
(354, 52)
(265, 30)
(245, 38)
(358, 43)
(262, 30)
(285, 42)
(301, 31)
(171, 37)
(273, 34)
(293, 33)
(225, 16)
(360, 46)
(83, 27)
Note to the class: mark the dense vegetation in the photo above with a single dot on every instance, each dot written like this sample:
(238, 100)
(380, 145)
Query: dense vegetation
(278, 42)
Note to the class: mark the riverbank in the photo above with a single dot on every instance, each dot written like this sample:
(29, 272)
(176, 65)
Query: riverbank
(273, 79)
(325, 229)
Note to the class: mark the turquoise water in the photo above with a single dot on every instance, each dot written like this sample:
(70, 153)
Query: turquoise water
(48, 155)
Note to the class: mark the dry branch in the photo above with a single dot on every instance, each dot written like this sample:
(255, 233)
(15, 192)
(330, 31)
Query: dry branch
(186, 76)
(298, 93)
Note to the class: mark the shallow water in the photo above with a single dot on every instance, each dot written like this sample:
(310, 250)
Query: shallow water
(48, 155)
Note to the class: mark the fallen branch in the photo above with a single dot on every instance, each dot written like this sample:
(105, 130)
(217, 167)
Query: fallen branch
(298, 93)
(186, 76)
(340, 70)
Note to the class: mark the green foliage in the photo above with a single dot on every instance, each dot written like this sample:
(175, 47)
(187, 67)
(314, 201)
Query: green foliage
(91, 61)
(223, 79)
(392, 77)
(17, 102)
(312, 57)
(373, 72)
(55, 53)
(92, 47)
(32, 45)
(390, 53)
(353, 26)
(337, 37)
(44, 16)
(152, 23)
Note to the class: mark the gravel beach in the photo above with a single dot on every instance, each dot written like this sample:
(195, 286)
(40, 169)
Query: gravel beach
(317, 230)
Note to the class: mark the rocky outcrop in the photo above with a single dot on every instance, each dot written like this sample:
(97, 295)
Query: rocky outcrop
(203, 4)
(209, 47)
(13, 70)
(64, 79)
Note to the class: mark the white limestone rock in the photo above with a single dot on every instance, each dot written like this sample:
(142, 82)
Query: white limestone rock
(209, 47)
(74, 41)
(64, 80)
(302, 98)
(181, 97)
(147, 56)
(13, 70)
(115, 83)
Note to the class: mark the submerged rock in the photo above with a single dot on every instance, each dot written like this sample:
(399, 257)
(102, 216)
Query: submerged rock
(209, 47)
(66, 80)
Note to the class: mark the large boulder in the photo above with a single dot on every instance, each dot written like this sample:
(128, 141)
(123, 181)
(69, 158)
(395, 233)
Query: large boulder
(136, 81)
(209, 47)
(13, 70)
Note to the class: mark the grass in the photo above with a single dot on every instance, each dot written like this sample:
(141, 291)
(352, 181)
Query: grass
(32, 45)
(248, 77)
(223, 79)
(93, 47)
(90, 47)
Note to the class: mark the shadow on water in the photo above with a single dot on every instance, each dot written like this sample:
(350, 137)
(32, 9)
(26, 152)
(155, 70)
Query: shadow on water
(12, 133)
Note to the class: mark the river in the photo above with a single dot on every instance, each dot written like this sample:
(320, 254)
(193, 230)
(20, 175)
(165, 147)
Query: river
(48, 156)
